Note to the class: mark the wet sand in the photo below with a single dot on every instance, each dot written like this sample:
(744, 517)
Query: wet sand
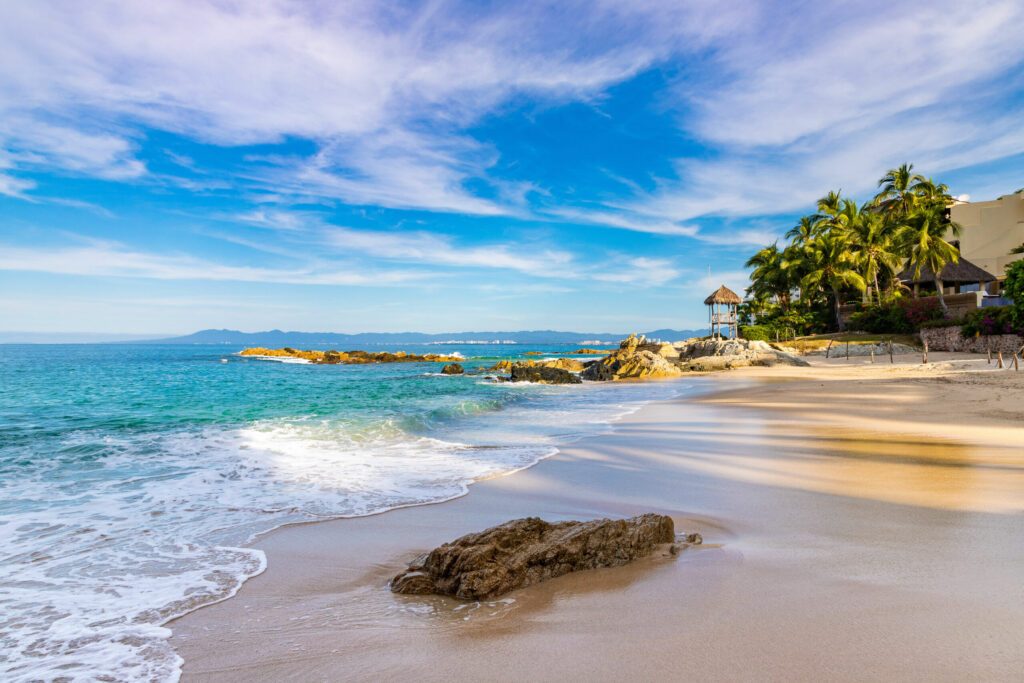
(861, 522)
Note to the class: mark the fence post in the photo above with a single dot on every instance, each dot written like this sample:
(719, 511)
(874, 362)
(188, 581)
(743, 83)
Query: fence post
(829, 349)
(989, 350)
(1016, 366)
(847, 350)
(872, 355)
(1000, 365)
(924, 357)
(891, 361)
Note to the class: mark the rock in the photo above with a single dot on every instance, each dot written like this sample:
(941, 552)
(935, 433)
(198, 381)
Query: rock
(645, 365)
(704, 355)
(596, 371)
(630, 363)
(524, 552)
(452, 369)
(543, 375)
(570, 364)
(590, 352)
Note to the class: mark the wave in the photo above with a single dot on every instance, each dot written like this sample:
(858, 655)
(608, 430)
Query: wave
(125, 531)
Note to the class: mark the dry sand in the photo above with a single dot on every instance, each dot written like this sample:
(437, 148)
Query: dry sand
(861, 522)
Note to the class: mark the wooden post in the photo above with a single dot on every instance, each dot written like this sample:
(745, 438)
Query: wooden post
(1016, 365)
(847, 350)
(990, 350)
(872, 355)
(924, 358)
(891, 361)
(1000, 365)
(829, 349)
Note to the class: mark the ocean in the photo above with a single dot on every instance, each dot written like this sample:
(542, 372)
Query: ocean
(132, 477)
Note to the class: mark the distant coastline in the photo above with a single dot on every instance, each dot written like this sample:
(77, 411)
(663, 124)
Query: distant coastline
(279, 338)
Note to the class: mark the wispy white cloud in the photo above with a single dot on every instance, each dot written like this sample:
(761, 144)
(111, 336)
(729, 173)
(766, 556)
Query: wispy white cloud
(110, 259)
(387, 92)
(793, 118)
(640, 271)
(436, 249)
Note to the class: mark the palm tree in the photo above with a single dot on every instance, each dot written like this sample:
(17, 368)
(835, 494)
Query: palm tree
(897, 194)
(874, 246)
(831, 266)
(769, 279)
(803, 232)
(925, 234)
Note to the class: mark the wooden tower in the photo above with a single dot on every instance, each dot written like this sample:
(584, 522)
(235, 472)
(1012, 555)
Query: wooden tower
(722, 307)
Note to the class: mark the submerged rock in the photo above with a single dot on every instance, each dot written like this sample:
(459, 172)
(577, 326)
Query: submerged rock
(527, 551)
(452, 369)
(543, 375)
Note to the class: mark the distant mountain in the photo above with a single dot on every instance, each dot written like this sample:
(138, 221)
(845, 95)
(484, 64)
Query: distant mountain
(278, 338)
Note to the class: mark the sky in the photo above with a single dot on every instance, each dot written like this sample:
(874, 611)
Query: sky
(443, 166)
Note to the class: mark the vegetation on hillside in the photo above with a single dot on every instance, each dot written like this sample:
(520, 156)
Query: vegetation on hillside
(847, 250)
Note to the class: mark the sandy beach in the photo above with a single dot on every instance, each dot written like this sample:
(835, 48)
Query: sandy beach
(860, 522)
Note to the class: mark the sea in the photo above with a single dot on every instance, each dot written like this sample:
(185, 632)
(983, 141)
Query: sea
(134, 477)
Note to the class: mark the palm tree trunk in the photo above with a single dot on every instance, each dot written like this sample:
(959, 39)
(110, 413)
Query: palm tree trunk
(878, 292)
(839, 320)
(942, 300)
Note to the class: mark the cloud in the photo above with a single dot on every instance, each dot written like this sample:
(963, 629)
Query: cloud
(387, 92)
(437, 249)
(641, 271)
(109, 259)
(790, 118)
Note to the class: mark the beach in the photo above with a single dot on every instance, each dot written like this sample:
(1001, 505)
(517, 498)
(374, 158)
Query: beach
(860, 521)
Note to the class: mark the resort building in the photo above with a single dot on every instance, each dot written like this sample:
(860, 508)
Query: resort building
(989, 232)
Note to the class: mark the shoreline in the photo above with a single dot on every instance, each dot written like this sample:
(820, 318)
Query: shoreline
(325, 581)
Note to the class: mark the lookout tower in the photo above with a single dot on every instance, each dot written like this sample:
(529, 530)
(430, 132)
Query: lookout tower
(722, 312)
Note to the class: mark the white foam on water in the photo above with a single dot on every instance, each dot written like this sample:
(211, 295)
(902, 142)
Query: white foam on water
(95, 561)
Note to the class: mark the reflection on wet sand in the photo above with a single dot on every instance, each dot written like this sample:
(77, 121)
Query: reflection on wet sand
(894, 468)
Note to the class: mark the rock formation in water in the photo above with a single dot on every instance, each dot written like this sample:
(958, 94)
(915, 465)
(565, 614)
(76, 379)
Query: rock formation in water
(570, 364)
(349, 357)
(631, 361)
(524, 552)
(541, 374)
(452, 369)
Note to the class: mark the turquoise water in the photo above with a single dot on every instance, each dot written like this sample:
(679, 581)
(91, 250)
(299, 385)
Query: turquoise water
(132, 476)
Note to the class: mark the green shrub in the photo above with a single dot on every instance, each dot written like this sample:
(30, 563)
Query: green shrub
(1013, 289)
(757, 332)
(899, 317)
(988, 321)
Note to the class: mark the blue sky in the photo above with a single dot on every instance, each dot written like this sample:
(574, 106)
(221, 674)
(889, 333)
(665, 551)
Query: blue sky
(441, 166)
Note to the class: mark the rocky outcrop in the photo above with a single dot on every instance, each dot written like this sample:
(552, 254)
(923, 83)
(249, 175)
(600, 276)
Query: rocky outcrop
(540, 374)
(524, 552)
(702, 355)
(452, 369)
(590, 352)
(631, 361)
(570, 364)
(348, 357)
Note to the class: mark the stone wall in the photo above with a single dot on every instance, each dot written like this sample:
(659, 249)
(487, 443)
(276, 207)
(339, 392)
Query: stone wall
(951, 339)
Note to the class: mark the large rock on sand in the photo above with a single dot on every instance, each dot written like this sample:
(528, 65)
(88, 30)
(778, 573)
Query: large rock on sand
(543, 375)
(527, 551)
(629, 363)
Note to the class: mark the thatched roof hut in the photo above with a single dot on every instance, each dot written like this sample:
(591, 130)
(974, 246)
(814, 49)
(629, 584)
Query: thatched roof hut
(963, 271)
(723, 295)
